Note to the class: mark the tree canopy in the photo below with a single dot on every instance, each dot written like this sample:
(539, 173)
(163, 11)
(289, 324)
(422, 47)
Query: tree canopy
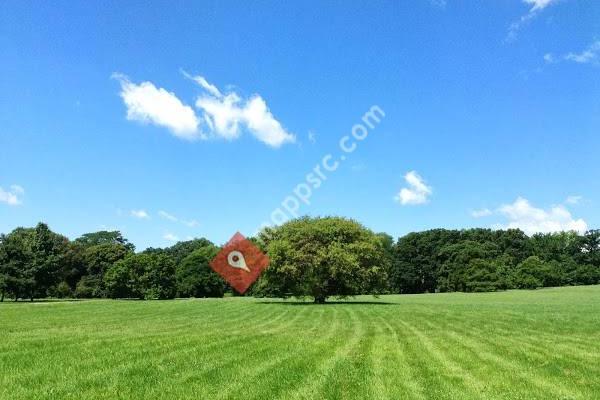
(195, 278)
(324, 257)
(144, 276)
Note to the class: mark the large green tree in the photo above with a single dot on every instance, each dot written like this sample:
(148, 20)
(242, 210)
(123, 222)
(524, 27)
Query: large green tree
(91, 255)
(48, 253)
(323, 257)
(30, 261)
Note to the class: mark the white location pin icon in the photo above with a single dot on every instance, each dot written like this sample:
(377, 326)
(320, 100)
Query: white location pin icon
(236, 260)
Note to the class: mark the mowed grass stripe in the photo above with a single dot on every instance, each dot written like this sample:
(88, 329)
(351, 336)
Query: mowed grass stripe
(351, 374)
(389, 356)
(290, 350)
(491, 354)
(526, 348)
(449, 379)
(512, 345)
(315, 346)
(135, 351)
(514, 370)
(315, 382)
(201, 363)
(485, 360)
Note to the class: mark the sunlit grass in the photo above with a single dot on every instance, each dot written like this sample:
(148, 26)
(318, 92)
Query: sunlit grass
(513, 345)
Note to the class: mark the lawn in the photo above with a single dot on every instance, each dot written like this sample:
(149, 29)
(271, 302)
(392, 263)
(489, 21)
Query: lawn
(542, 344)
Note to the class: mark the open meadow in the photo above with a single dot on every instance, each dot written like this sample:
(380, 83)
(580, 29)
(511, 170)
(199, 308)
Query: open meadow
(542, 344)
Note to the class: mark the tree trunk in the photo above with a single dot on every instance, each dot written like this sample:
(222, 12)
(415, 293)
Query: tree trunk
(319, 299)
(2, 297)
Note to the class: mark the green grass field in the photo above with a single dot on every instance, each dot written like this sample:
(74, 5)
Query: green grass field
(541, 344)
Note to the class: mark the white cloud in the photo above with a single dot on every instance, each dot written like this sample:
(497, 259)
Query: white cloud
(573, 199)
(438, 3)
(312, 137)
(484, 212)
(522, 215)
(263, 125)
(417, 191)
(539, 5)
(12, 197)
(170, 237)
(536, 7)
(141, 214)
(227, 114)
(148, 104)
(589, 55)
(200, 80)
(166, 215)
(191, 223)
(222, 115)
(17, 189)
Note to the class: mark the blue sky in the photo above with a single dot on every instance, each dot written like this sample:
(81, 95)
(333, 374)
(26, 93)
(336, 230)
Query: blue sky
(169, 120)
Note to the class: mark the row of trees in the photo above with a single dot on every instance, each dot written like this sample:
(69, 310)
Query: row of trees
(477, 260)
(38, 263)
(318, 257)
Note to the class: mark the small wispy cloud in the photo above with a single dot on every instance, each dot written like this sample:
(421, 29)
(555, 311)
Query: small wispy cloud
(549, 58)
(17, 189)
(484, 212)
(312, 137)
(166, 215)
(537, 6)
(192, 223)
(170, 237)
(140, 214)
(12, 196)
(438, 3)
(573, 199)
(591, 55)
(200, 80)
(416, 193)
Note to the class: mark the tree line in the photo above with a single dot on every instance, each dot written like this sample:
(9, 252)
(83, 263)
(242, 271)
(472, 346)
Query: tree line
(38, 263)
(317, 257)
